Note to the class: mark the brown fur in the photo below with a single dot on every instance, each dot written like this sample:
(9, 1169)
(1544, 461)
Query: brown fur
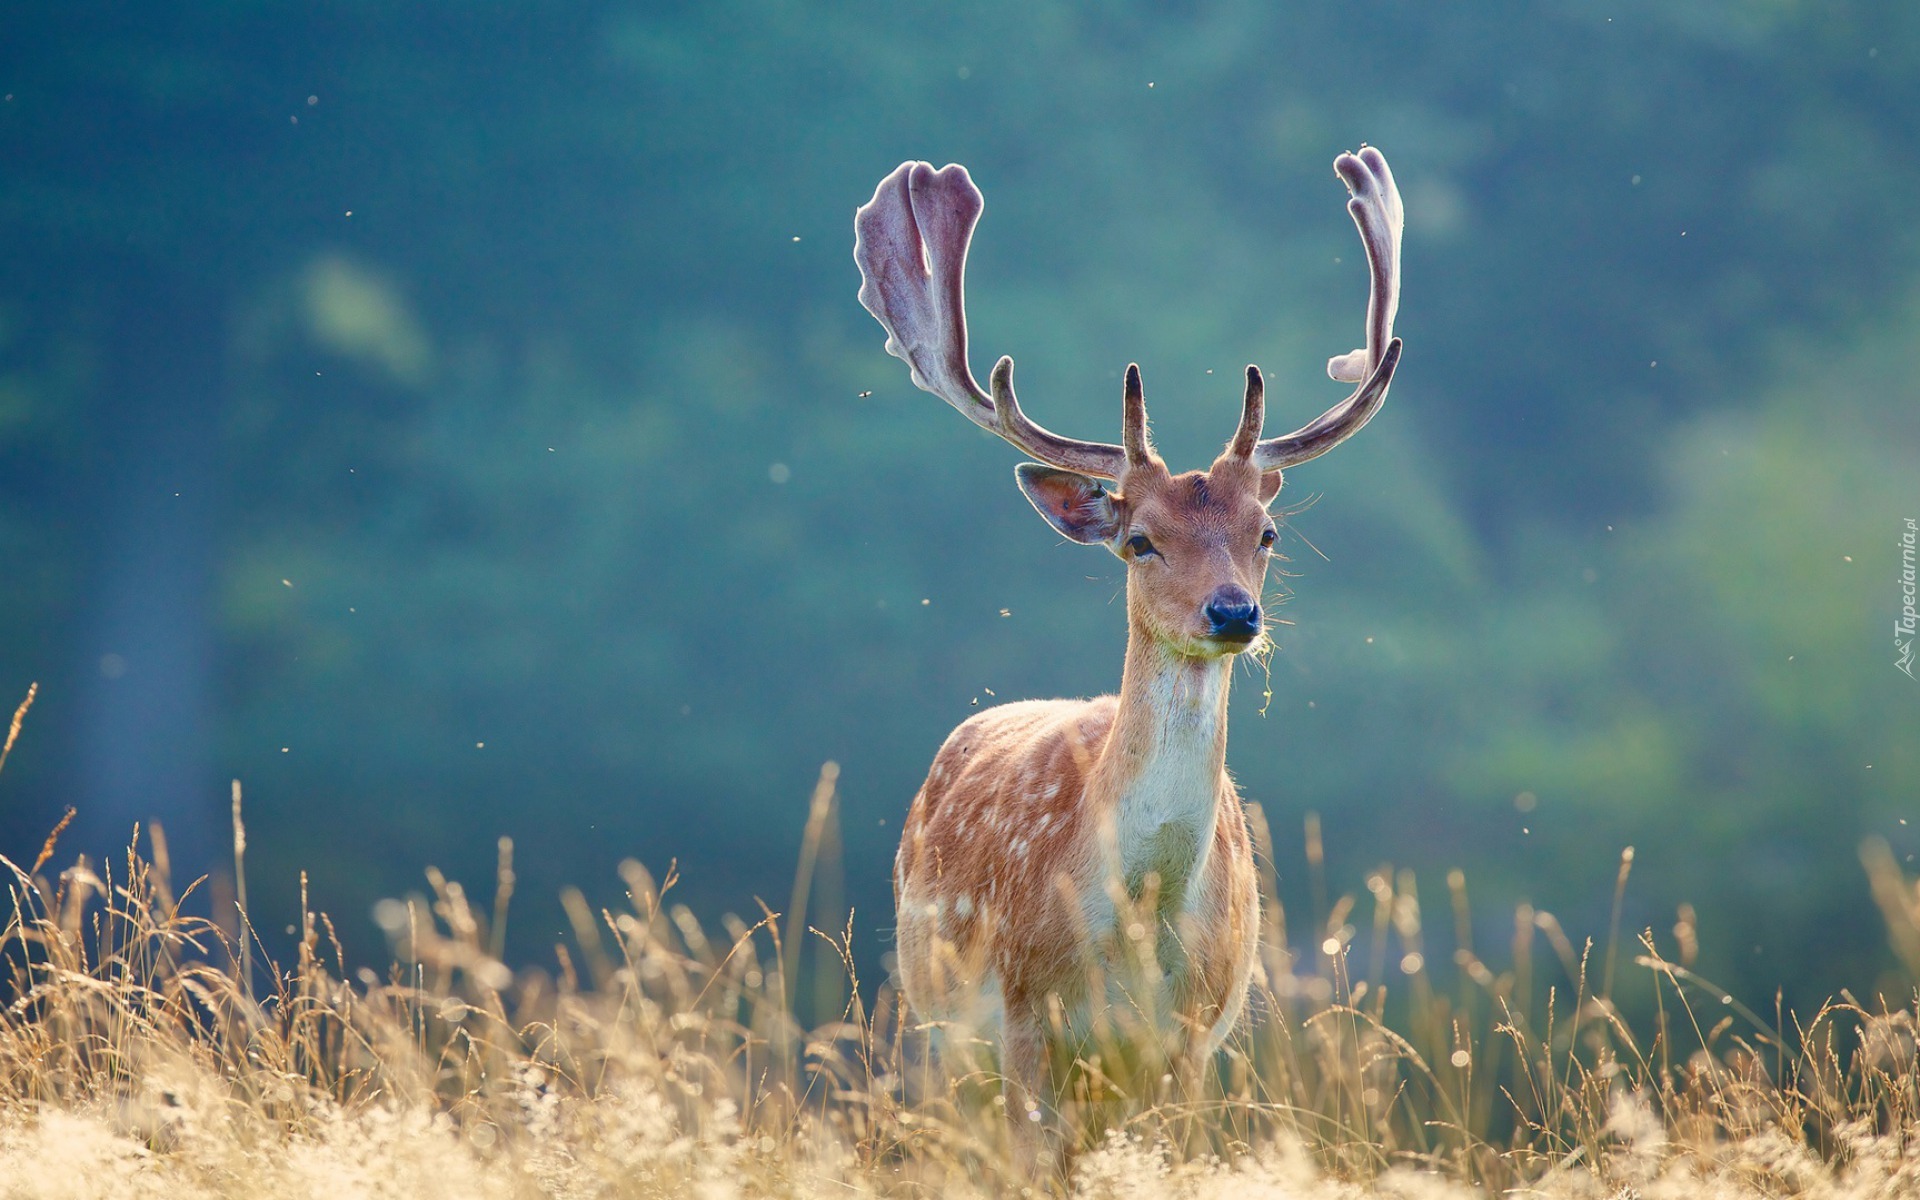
(1014, 839)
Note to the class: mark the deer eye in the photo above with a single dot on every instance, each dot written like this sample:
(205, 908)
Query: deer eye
(1139, 547)
(1266, 539)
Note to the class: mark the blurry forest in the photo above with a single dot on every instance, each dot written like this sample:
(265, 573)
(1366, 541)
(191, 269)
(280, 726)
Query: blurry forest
(455, 421)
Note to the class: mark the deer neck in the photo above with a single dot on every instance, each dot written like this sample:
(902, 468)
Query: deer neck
(1163, 763)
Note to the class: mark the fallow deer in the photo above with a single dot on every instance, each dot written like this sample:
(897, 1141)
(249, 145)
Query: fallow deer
(1045, 826)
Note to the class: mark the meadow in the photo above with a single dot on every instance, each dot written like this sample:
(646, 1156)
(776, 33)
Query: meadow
(148, 1047)
(460, 424)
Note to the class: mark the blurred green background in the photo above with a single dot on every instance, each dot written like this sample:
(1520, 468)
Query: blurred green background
(456, 421)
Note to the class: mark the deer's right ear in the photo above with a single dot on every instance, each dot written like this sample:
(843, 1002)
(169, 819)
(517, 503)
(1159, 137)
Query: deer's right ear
(1079, 506)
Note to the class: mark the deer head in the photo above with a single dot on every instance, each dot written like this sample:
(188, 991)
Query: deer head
(1196, 545)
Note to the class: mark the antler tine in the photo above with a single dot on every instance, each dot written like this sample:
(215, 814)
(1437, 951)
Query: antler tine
(1088, 458)
(1253, 414)
(1376, 211)
(1133, 421)
(910, 243)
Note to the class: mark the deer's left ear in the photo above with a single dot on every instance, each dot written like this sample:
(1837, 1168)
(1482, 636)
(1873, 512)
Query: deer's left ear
(1270, 487)
(1079, 506)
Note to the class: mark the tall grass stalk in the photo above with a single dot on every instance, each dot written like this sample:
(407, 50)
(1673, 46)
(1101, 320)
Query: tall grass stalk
(144, 1051)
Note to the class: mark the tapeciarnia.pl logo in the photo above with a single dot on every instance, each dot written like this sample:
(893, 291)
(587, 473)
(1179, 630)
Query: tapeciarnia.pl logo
(1904, 625)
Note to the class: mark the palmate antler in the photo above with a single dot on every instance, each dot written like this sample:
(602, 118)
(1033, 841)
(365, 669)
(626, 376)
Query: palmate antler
(910, 242)
(1375, 207)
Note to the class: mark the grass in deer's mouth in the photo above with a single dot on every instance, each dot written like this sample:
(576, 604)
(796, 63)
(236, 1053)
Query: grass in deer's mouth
(658, 1058)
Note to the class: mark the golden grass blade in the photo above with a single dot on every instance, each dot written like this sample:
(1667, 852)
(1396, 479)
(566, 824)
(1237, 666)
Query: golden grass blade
(19, 719)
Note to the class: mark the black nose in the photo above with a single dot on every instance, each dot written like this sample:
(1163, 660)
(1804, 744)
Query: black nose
(1233, 615)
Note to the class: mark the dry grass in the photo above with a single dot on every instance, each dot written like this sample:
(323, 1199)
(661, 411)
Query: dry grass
(139, 1058)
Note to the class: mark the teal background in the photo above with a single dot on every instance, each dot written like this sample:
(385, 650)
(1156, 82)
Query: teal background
(379, 381)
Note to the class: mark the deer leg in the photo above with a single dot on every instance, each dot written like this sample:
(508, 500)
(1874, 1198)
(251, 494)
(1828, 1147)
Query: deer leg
(1189, 1059)
(1026, 1069)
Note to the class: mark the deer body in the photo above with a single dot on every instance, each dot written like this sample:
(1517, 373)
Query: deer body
(1070, 861)
(1034, 810)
